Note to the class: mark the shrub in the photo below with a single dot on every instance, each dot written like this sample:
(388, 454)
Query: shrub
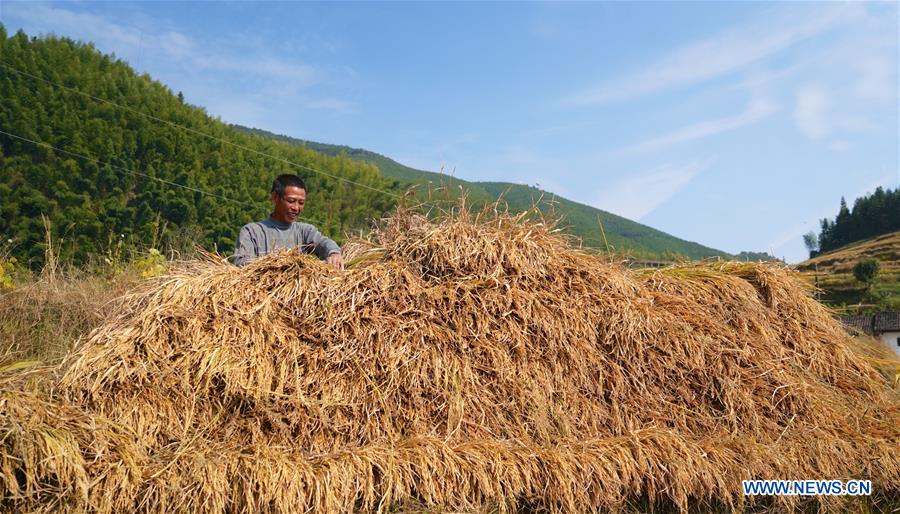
(866, 270)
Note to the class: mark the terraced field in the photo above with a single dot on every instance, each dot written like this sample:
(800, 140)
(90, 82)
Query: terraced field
(835, 273)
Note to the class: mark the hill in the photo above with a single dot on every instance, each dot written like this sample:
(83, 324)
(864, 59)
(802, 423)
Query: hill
(580, 220)
(117, 161)
(387, 166)
(835, 271)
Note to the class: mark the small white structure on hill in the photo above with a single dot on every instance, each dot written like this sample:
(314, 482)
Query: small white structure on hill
(883, 325)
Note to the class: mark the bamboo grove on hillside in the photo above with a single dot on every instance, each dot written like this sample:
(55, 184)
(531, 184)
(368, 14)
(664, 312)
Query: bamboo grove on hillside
(136, 196)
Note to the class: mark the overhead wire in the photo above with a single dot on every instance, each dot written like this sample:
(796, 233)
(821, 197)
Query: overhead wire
(134, 172)
(184, 128)
(199, 133)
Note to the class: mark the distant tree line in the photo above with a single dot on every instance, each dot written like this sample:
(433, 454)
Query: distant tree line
(93, 208)
(871, 216)
(750, 256)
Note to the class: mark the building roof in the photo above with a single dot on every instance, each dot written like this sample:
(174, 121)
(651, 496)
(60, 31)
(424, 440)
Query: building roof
(888, 321)
(873, 324)
(860, 322)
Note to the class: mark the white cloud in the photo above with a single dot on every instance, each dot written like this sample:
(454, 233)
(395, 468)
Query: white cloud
(215, 75)
(725, 53)
(811, 113)
(107, 35)
(329, 104)
(877, 78)
(267, 67)
(819, 112)
(175, 44)
(636, 196)
(63, 22)
(756, 111)
(840, 145)
(110, 36)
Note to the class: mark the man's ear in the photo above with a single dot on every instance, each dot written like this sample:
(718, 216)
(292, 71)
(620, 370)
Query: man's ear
(274, 196)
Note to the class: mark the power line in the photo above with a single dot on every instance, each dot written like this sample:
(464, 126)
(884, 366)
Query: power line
(135, 172)
(199, 133)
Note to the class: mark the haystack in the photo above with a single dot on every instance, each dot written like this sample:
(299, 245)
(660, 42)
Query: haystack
(469, 363)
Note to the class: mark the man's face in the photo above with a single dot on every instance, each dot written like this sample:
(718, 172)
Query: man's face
(288, 207)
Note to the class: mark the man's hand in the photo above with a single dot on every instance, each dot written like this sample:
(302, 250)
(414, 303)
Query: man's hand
(336, 260)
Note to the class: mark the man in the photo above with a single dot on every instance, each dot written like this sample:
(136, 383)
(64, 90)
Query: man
(280, 231)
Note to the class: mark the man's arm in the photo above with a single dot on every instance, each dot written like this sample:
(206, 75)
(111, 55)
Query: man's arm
(245, 250)
(322, 246)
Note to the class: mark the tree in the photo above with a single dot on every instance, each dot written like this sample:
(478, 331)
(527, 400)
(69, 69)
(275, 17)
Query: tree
(811, 240)
(872, 215)
(842, 230)
(141, 178)
(866, 270)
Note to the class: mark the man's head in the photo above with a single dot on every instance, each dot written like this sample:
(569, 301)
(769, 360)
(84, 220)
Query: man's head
(288, 198)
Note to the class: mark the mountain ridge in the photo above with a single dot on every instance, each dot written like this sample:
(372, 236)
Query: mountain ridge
(110, 177)
(86, 163)
(595, 227)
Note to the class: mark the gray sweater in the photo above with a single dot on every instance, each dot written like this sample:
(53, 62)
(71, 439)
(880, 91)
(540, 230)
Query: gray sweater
(263, 237)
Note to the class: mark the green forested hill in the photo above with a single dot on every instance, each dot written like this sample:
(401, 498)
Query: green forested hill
(404, 175)
(584, 221)
(579, 219)
(132, 196)
(120, 178)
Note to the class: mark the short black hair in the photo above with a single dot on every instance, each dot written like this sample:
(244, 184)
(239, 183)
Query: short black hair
(283, 181)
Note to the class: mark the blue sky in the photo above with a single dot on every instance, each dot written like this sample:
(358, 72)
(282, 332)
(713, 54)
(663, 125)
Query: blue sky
(735, 124)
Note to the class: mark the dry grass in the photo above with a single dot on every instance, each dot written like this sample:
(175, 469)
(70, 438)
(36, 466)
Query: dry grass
(466, 364)
(840, 287)
(879, 356)
(41, 319)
